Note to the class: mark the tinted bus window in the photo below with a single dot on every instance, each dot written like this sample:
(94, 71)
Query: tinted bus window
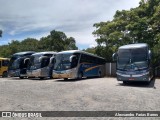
(5, 62)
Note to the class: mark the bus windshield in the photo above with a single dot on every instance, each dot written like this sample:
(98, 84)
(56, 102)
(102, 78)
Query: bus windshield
(14, 62)
(34, 62)
(62, 62)
(132, 59)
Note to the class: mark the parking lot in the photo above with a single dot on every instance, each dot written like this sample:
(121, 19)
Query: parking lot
(94, 94)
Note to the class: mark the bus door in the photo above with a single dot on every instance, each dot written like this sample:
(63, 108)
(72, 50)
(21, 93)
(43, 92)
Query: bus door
(45, 65)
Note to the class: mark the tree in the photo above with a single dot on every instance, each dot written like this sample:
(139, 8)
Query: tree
(138, 25)
(56, 41)
(70, 44)
(90, 50)
(29, 44)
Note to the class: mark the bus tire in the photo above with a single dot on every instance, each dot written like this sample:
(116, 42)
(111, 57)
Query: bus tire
(21, 77)
(65, 79)
(5, 74)
(148, 82)
(125, 82)
(41, 78)
(80, 75)
(99, 74)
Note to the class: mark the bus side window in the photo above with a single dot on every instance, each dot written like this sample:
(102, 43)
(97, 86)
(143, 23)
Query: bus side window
(0, 64)
(21, 63)
(82, 58)
(74, 62)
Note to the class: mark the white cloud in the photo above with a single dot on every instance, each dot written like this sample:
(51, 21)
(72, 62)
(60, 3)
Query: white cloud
(92, 45)
(74, 17)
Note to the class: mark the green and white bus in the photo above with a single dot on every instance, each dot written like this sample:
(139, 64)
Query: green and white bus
(76, 64)
(133, 63)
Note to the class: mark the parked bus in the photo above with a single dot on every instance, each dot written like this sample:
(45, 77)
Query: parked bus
(18, 64)
(4, 67)
(133, 63)
(40, 65)
(77, 64)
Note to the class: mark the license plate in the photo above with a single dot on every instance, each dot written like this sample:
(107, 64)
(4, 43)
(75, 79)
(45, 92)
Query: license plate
(131, 78)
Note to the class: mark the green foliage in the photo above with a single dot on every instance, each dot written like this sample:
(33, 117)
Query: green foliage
(90, 50)
(138, 25)
(56, 41)
(61, 40)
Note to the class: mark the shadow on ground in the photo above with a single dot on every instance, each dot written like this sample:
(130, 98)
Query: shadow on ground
(150, 84)
(75, 80)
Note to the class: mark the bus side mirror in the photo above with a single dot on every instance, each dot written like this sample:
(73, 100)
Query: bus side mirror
(149, 54)
(26, 60)
(41, 58)
(114, 56)
(71, 58)
(52, 60)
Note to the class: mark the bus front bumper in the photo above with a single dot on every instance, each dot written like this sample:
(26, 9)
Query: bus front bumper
(14, 73)
(134, 77)
(64, 74)
(34, 73)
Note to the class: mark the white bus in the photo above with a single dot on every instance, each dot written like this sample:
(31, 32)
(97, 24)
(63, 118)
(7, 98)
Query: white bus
(76, 64)
(40, 65)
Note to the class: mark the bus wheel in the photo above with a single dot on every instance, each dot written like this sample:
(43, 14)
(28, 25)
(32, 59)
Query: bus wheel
(5, 74)
(125, 82)
(80, 75)
(65, 78)
(99, 74)
(21, 77)
(41, 78)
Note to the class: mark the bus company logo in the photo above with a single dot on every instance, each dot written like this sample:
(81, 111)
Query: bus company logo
(6, 114)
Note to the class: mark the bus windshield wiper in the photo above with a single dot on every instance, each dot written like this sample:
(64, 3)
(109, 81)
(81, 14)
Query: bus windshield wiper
(129, 61)
(136, 66)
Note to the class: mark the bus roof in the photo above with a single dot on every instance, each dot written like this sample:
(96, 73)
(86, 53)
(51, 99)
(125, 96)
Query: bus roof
(79, 51)
(23, 53)
(42, 53)
(133, 46)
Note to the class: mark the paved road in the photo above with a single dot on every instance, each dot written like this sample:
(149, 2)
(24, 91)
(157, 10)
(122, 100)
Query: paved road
(98, 94)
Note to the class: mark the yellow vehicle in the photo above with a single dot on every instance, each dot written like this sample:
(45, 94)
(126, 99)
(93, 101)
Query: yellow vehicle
(4, 67)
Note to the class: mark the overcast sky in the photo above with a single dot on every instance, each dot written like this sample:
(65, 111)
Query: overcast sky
(20, 19)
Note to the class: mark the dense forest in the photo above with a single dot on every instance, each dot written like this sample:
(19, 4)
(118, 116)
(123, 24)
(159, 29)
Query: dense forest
(137, 25)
